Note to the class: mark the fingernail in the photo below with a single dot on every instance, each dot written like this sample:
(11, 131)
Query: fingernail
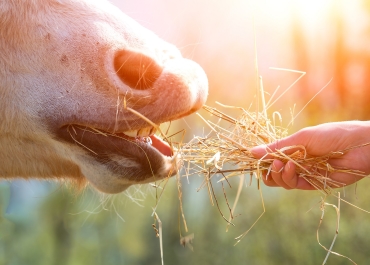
(273, 165)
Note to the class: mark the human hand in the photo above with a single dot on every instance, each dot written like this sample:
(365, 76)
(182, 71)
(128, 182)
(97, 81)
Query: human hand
(319, 141)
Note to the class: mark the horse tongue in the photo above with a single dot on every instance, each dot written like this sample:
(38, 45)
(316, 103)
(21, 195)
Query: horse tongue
(161, 146)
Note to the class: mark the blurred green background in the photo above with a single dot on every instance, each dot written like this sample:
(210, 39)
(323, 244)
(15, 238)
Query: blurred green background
(46, 223)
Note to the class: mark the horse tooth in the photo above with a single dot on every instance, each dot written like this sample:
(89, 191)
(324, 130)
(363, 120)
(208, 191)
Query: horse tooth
(153, 130)
(131, 133)
(143, 132)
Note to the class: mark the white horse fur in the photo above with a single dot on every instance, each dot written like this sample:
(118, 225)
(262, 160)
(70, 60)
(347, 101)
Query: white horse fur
(68, 69)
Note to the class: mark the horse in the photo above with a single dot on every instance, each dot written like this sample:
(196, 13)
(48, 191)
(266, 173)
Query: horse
(76, 79)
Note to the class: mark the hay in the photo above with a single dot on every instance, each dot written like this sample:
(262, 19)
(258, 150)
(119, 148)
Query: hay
(226, 151)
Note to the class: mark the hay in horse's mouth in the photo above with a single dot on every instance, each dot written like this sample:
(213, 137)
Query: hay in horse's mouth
(151, 140)
(147, 135)
(143, 136)
(140, 159)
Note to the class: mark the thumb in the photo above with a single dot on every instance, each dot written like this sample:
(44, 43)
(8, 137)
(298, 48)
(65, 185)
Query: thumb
(261, 150)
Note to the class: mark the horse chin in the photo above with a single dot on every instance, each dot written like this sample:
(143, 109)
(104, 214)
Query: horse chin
(126, 160)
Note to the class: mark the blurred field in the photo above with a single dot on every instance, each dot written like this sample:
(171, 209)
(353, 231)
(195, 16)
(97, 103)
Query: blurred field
(45, 223)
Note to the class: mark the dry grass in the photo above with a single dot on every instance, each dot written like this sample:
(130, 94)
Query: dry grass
(226, 152)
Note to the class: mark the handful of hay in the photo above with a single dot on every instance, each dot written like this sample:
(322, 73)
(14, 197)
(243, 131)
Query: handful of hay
(226, 151)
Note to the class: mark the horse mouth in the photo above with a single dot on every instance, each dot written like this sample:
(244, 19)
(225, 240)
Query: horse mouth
(147, 135)
(139, 156)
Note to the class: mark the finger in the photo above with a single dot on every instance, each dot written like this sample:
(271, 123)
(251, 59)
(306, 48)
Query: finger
(302, 184)
(289, 176)
(277, 172)
(259, 151)
(297, 138)
(268, 180)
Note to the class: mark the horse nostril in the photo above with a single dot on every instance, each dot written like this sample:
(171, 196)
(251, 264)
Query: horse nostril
(136, 70)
